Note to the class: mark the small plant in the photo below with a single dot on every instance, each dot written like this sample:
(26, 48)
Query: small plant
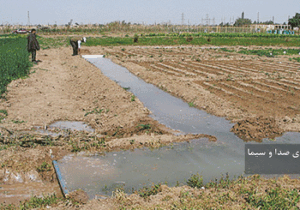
(132, 141)
(96, 111)
(191, 104)
(126, 88)
(195, 181)
(132, 98)
(3, 111)
(123, 49)
(4, 114)
(145, 192)
(229, 77)
(144, 126)
(17, 121)
(44, 167)
(75, 147)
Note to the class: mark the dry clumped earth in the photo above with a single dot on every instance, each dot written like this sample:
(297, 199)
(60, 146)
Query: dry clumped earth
(61, 87)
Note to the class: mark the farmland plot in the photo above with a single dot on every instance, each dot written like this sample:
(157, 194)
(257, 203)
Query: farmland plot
(241, 87)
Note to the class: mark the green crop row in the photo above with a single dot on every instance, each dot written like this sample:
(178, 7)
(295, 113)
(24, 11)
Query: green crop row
(264, 35)
(14, 60)
(217, 41)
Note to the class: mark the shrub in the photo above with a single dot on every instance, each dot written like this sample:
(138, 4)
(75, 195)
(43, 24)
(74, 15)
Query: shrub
(195, 181)
(136, 38)
(189, 39)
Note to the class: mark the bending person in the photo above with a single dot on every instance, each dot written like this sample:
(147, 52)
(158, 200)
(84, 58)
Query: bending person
(76, 42)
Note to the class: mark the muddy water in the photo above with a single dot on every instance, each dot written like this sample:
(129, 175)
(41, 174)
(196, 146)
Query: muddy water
(66, 125)
(134, 169)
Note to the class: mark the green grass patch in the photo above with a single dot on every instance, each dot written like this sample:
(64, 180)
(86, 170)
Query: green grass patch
(44, 167)
(226, 50)
(197, 40)
(14, 60)
(57, 42)
(34, 203)
(218, 39)
(297, 59)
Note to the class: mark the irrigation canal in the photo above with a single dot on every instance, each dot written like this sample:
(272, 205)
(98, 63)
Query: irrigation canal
(99, 175)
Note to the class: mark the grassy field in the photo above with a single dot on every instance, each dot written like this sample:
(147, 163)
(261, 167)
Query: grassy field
(14, 60)
(196, 40)
(217, 39)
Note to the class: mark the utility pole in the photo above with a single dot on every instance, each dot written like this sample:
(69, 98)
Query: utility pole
(28, 21)
(273, 20)
(207, 20)
(256, 28)
(182, 19)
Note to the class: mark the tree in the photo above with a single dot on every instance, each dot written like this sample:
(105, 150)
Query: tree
(268, 22)
(242, 22)
(295, 21)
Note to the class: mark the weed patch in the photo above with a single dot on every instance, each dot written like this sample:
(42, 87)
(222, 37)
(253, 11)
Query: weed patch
(145, 192)
(44, 167)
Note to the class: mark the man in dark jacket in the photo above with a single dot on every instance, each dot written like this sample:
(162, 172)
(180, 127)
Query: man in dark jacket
(33, 45)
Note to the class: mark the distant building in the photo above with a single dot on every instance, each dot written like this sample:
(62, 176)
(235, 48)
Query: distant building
(267, 27)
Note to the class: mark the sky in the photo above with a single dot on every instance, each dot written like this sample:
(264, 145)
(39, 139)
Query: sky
(144, 11)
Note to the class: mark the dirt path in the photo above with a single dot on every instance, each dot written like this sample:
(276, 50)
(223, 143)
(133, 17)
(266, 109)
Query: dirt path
(66, 87)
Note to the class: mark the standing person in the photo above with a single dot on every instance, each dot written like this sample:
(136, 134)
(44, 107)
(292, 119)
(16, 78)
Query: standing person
(75, 42)
(32, 45)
